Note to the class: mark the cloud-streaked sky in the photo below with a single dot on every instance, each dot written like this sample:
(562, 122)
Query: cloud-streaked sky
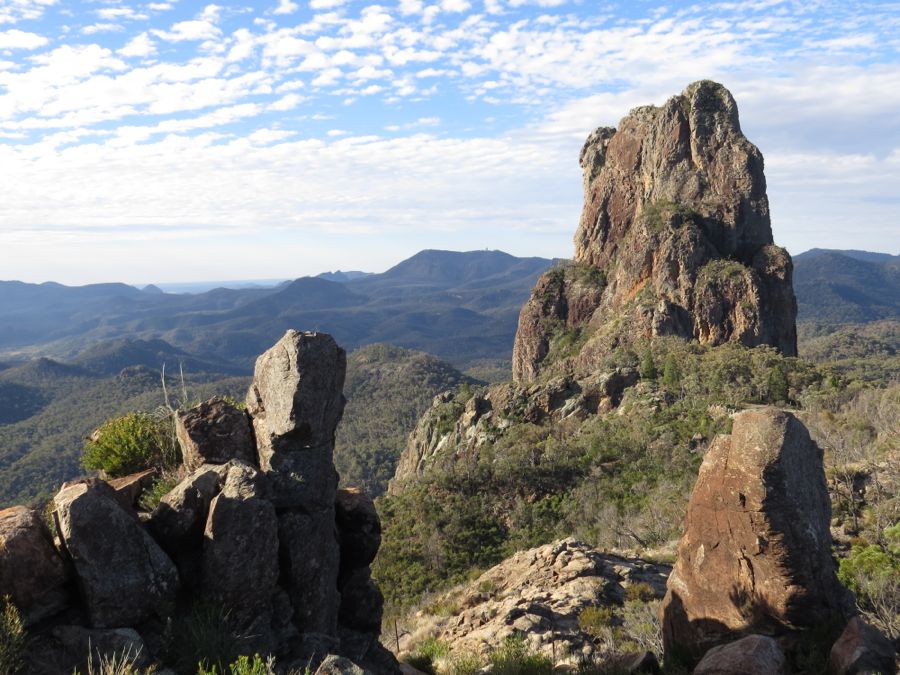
(179, 141)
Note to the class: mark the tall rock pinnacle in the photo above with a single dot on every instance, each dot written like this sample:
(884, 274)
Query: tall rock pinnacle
(675, 239)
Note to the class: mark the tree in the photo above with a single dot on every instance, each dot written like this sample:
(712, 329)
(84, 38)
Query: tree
(648, 366)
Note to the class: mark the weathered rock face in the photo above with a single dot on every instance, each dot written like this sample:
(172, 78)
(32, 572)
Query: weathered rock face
(32, 573)
(214, 432)
(240, 547)
(751, 655)
(538, 593)
(676, 227)
(755, 556)
(124, 576)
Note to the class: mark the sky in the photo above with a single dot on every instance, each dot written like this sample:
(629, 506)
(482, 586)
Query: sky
(183, 141)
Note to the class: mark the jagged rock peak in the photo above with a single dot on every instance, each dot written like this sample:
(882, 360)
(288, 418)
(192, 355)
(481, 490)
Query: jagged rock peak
(689, 153)
(675, 238)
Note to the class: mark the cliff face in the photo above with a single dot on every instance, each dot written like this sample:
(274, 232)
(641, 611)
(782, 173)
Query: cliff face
(675, 234)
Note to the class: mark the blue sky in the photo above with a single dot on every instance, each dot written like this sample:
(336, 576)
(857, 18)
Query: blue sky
(178, 141)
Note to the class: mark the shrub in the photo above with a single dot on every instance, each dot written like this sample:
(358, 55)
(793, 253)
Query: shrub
(640, 591)
(463, 664)
(13, 639)
(161, 487)
(131, 443)
(514, 657)
(243, 665)
(205, 637)
(124, 663)
(594, 619)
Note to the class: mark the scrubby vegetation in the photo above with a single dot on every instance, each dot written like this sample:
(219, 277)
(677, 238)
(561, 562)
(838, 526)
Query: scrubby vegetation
(387, 390)
(13, 640)
(621, 480)
(131, 443)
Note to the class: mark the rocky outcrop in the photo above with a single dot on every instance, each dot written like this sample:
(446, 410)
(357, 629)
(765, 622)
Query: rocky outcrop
(539, 594)
(280, 555)
(124, 576)
(674, 239)
(755, 556)
(455, 428)
(214, 432)
(32, 572)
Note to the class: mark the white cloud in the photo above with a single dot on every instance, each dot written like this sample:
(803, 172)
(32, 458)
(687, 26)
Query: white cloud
(326, 4)
(18, 39)
(285, 7)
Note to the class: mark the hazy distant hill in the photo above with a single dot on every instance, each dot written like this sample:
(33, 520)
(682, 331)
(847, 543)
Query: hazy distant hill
(836, 287)
(462, 307)
(387, 389)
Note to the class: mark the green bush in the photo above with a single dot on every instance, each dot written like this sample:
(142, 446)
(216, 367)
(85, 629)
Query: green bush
(131, 443)
(514, 657)
(13, 639)
(867, 565)
(640, 591)
(205, 637)
(161, 487)
(594, 619)
(243, 665)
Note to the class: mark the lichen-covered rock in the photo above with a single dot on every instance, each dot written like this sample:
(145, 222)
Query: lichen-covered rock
(240, 545)
(32, 573)
(296, 402)
(752, 655)
(123, 574)
(339, 665)
(214, 432)
(862, 649)
(676, 230)
(755, 556)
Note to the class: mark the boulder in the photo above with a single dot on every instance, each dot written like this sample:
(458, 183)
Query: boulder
(752, 655)
(755, 556)
(129, 488)
(214, 432)
(240, 546)
(296, 402)
(181, 513)
(123, 574)
(339, 665)
(862, 649)
(32, 573)
(633, 663)
(75, 649)
(358, 526)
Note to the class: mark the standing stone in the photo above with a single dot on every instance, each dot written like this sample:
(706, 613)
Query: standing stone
(32, 573)
(123, 574)
(214, 432)
(240, 545)
(296, 402)
(756, 552)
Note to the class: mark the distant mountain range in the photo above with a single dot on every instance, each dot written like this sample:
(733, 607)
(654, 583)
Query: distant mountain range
(838, 287)
(462, 307)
